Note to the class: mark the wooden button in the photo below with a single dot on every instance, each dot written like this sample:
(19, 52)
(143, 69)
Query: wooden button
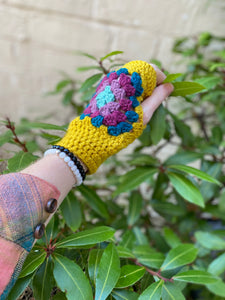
(51, 205)
(39, 231)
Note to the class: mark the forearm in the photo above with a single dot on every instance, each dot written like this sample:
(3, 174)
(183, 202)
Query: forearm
(54, 170)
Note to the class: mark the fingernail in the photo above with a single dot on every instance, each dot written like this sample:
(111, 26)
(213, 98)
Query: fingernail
(170, 87)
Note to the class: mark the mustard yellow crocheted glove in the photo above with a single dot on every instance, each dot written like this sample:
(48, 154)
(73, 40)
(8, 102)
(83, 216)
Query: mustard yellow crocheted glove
(114, 117)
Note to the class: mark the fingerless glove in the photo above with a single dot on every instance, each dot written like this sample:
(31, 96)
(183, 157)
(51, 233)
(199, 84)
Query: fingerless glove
(114, 118)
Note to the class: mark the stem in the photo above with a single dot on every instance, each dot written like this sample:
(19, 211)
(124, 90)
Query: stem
(153, 273)
(201, 119)
(105, 71)
(11, 127)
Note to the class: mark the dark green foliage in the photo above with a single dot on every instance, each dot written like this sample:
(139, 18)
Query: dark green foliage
(168, 218)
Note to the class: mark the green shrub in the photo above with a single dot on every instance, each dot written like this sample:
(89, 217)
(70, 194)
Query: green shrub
(168, 217)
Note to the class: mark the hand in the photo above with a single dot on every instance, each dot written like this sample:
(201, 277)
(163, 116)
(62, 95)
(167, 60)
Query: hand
(160, 93)
(114, 117)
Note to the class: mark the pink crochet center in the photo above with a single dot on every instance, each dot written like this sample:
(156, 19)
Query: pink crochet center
(113, 112)
(93, 105)
(125, 104)
(119, 93)
(124, 79)
(129, 90)
(112, 76)
(109, 108)
(115, 118)
(115, 85)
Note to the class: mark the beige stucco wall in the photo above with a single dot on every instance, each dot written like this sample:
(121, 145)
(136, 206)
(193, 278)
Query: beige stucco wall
(37, 38)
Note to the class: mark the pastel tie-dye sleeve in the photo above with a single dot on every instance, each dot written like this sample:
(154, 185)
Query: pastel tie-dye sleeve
(23, 199)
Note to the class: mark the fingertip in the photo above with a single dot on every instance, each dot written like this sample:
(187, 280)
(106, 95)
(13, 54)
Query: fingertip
(169, 86)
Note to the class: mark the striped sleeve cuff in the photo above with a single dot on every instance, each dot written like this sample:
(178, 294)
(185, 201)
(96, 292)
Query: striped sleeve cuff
(23, 199)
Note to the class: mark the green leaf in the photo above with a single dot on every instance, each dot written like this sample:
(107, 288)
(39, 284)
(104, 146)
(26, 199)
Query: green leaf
(86, 55)
(108, 272)
(39, 125)
(148, 256)
(142, 159)
(128, 239)
(124, 295)
(19, 287)
(180, 255)
(208, 190)
(210, 241)
(70, 278)
(51, 229)
(94, 201)
(153, 292)
(222, 202)
(68, 97)
(145, 138)
(87, 237)
(90, 82)
(135, 207)
(196, 276)
(143, 250)
(217, 266)
(215, 66)
(186, 189)
(43, 281)
(209, 82)
(217, 288)
(171, 292)
(87, 68)
(157, 62)
(63, 84)
(159, 241)
(6, 137)
(183, 131)
(186, 88)
(196, 172)
(171, 238)
(158, 125)
(86, 96)
(93, 263)
(160, 184)
(204, 38)
(141, 238)
(217, 135)
(220, 53)
(129, 275)
(59, 296)
(153, 260)
(32, 262)
(71, 211)
(183, 157)
(134, 178)
(20, 161)
(124, 252)
(111, 54)
(167, 208)
(172, 77)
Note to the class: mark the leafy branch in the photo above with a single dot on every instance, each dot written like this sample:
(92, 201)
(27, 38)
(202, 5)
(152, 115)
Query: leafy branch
(16, 139)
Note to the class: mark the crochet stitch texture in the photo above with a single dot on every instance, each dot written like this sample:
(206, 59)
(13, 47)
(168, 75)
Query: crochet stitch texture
(114, 117)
